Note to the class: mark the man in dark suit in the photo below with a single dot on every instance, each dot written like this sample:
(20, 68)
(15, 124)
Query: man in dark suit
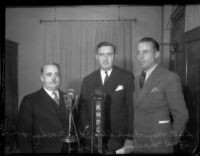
(160, 112)
(43, 118)
(118, 85)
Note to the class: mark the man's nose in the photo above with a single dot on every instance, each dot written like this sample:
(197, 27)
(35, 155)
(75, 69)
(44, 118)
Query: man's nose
(105, 57)
(54, 76)
(140, 55)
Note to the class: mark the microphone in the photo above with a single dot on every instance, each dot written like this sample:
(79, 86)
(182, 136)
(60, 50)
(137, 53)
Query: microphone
(70, 100)
(98, 116)
(99, 100)
(69, 97)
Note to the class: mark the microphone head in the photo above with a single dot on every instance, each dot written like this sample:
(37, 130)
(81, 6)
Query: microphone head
(69, 97)
(70, 93)
(99, 94)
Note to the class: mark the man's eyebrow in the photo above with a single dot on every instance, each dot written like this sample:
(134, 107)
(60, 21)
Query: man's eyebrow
(51, 72)
(48, 72)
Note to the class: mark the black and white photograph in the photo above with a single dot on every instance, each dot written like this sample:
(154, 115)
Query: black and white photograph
(105, 78)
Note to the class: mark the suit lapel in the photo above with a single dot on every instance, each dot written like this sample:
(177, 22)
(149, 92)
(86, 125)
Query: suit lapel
(98, 79)
(60, 110)
(111, 83)
(149, 84)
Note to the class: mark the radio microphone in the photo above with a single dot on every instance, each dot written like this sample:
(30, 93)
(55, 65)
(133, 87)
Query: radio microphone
(70, 100)
(98, 118)
(99, 99)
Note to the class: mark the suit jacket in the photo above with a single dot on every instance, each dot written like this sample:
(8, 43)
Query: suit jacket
(41, 123)
(118, 105)
(160, 113)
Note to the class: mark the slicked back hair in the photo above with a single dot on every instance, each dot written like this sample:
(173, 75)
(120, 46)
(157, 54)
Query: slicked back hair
(151, 40)
(53, 64)
(101, 44)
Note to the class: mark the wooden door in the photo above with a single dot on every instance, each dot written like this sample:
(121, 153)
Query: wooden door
(11, 93)
(184, 60)
(191, 41)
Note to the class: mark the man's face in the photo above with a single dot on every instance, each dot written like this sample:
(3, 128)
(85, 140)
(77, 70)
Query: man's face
(50, 77)
(105, 56)
(146, 55)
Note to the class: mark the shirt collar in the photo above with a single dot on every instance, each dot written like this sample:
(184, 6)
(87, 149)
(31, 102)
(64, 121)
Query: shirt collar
(50, 92)
(103, 72)
(149, 71)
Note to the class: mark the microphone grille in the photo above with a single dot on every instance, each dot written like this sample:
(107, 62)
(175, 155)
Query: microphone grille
(99, 94)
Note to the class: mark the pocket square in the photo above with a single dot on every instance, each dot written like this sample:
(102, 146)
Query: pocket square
(120, 87)
(163, 121)
(155, 89)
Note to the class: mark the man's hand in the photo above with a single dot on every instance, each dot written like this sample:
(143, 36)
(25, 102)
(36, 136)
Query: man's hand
(128, 145)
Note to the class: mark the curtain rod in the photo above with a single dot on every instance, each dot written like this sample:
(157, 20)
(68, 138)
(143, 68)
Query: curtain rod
(56, 20)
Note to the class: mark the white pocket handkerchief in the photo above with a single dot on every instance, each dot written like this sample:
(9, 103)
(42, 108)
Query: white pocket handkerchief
(120, 87)
(163, 121)
(155, 89)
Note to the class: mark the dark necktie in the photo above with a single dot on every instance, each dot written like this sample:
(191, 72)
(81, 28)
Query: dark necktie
(56, 99)
(142, 79)
(106, 77)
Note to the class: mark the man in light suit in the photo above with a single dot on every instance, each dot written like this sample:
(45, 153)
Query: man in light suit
(43, 118)
(160, 112)
(118, 103)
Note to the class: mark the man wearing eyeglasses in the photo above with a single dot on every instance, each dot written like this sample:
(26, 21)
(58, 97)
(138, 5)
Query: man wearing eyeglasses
(160, 112)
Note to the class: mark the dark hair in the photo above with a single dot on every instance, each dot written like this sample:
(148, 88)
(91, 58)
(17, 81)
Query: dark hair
(154, 42)
(54, 64)
(101, 44)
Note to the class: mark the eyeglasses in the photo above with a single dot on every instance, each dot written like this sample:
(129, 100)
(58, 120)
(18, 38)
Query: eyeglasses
(144, 52)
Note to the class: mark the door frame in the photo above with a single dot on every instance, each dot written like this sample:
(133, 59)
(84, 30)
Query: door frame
(177, 13)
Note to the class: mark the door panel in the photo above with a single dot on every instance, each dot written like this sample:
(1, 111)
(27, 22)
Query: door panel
(178, 59)
(11, 95)
(191, 42)
(185, 60)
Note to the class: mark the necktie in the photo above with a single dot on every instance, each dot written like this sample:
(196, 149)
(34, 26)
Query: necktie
(106, 77)
(56, 99)
(142, 79)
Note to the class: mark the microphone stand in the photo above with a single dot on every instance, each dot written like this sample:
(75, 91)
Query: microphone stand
(100, 149)
(70, 138)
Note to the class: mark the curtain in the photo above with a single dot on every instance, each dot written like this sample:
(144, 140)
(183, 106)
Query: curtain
(72, 45)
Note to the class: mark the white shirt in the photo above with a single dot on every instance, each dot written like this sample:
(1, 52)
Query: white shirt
(50, 93)
(149, 71)
(103, 75)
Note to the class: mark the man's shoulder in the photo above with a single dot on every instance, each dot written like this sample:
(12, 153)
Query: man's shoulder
(92, 75)
(34, 94)
(122, 71)
(168, 73)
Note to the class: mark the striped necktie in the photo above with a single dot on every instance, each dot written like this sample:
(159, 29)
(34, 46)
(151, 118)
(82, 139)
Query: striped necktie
(56, 99)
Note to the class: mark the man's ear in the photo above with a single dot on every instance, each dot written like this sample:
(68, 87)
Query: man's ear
(41, 78)
(96, 56)
(115, 56)
(157, 54)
